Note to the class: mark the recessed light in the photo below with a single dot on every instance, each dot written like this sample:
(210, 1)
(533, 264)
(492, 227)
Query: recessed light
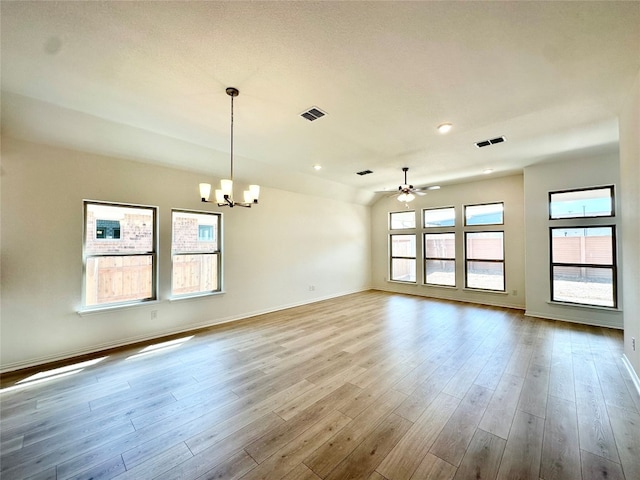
(317, 167)
(487, 171)
(445, 127)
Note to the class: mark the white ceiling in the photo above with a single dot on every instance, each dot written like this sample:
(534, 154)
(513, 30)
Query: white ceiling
(146, 81)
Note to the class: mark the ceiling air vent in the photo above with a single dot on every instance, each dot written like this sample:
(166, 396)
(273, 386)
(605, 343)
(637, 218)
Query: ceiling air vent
(312, 114)
(493, 141)
(364, 172)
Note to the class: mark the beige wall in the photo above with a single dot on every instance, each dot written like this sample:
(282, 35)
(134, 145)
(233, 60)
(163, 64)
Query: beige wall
(630, 186)
(272, 253)
(575, 171)
(275, 252)
(504, 189)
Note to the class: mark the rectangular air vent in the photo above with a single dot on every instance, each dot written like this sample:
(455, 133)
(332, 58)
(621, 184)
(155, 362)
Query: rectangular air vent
(364, 172)
(312, 114)
(493, 141)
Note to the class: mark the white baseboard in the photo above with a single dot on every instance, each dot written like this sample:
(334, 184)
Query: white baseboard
(487, 303)
(529, 313)
(632, 373)
(34, 362)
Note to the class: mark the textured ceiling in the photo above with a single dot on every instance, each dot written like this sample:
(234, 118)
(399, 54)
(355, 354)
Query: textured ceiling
(146, 81)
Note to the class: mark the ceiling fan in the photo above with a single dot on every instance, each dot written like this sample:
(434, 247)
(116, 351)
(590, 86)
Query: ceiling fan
(408, 192)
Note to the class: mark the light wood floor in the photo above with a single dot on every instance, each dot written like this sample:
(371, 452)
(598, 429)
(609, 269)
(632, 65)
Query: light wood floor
(372, 386)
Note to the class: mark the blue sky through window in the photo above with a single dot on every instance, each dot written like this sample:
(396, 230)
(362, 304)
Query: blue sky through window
(596, 202)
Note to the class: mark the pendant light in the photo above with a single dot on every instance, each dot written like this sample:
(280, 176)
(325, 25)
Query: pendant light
(224, 195)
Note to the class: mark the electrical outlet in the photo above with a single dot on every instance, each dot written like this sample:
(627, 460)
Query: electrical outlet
(154, 314)
(312, 288)
(514, 292)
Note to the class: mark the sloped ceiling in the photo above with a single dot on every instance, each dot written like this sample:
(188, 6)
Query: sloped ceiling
(146, 81)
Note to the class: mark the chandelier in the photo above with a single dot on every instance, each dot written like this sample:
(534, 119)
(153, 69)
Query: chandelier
(224, 195)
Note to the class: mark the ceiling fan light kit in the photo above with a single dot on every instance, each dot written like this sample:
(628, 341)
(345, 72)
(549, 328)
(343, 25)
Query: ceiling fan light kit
(406, 197)
(224, 195)
(405, 189)
(408, 192)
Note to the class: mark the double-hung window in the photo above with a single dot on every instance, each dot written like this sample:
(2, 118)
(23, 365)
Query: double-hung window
(439, 246)
(484, 250)
(120, 261)
(583, 254)
(440, 259)
(196, 253)
(402, 247)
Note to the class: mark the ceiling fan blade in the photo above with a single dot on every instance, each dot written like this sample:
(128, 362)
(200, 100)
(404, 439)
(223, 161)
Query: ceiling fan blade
(422, 194)
(390, 192)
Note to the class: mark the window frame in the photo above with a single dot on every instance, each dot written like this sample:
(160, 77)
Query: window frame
(392, 257)
(403, 228)
(425, 210)
(467, 260)
(584, 189)
(426, 258)
(217, 253)
(613, 267)
(86, 256)
(464, 214)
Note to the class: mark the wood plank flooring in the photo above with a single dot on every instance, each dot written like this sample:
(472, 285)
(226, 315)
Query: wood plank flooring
(367, 386)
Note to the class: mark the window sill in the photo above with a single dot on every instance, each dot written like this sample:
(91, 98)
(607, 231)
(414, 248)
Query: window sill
(480, 290)
(434, 285)
(579, 305)
(400, 282)
(196, 296)
(115, 308)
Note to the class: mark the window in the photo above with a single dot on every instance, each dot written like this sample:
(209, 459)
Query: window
(583, 267)
(196, 256)
(402, 220)
(119, 254)
(439, 258)
(583, 253)
(109, 229)
(205, 233)
(403, 258)
(582, 203)
(484, 260)
(439, 217)
(488, 214)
